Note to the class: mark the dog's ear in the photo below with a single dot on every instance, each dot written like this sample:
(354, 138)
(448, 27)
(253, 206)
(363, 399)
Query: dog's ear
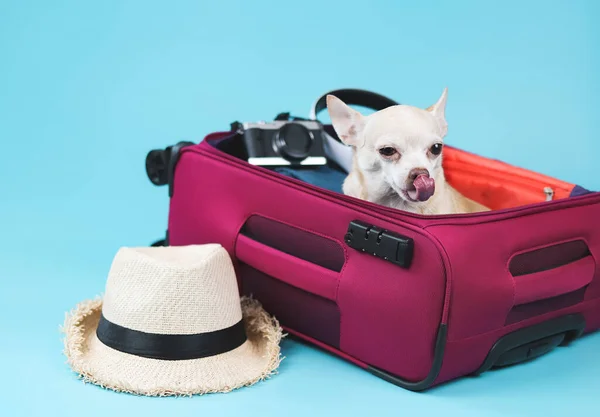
(347, 122)
(438, 110)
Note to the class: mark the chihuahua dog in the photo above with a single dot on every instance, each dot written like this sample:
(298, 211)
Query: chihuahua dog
(397, 157)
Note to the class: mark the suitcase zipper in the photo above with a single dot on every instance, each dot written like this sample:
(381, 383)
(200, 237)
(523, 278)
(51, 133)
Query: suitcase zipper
(518, 180)
(364, 204)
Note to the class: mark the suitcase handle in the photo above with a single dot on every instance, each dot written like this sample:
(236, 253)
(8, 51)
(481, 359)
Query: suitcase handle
(287, 268)
(554, 282)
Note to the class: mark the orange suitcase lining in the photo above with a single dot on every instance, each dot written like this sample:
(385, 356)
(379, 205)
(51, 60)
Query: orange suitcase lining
(496, 184)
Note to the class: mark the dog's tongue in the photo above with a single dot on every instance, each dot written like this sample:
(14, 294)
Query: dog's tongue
(425, 187)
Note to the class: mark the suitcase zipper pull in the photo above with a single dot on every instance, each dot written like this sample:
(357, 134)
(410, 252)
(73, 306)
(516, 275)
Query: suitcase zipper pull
(549, 193)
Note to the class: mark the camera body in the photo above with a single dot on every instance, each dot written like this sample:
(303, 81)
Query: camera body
(284, 143)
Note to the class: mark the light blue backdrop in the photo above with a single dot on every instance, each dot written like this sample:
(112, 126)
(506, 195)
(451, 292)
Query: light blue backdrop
(87, 88)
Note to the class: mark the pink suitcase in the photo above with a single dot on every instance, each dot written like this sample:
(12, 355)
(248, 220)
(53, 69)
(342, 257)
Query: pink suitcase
(415, 300)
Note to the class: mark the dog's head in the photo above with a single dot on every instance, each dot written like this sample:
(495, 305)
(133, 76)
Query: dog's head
(399, 147)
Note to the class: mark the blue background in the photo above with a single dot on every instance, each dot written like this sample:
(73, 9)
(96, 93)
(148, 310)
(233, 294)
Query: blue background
(88, 88)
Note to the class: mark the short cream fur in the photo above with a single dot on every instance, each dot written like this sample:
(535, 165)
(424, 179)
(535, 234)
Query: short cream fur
(407, 133)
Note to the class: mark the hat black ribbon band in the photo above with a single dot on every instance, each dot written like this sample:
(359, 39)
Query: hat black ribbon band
(170, 346)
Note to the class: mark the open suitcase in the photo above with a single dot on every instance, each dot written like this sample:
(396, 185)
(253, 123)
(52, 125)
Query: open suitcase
(416, 300)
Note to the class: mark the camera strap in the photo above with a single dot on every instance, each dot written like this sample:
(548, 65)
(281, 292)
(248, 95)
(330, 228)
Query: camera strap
(352, 96)
(334, 148)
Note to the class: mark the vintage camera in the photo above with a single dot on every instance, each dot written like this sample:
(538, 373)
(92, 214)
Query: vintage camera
(284, 143)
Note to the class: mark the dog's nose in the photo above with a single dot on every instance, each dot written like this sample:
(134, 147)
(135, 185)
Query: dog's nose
(415, 172)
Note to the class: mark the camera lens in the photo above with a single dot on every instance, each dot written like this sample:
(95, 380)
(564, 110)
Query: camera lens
(293, 141)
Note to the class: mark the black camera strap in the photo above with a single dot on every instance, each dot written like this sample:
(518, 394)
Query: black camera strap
(353, 96)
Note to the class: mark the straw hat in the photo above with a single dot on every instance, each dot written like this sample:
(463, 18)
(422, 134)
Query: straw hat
(172, 323)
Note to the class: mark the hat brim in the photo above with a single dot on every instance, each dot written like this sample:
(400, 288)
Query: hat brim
(256, 359)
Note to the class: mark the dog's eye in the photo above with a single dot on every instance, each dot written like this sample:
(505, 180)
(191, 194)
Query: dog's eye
(387, 151)
(436, 149)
